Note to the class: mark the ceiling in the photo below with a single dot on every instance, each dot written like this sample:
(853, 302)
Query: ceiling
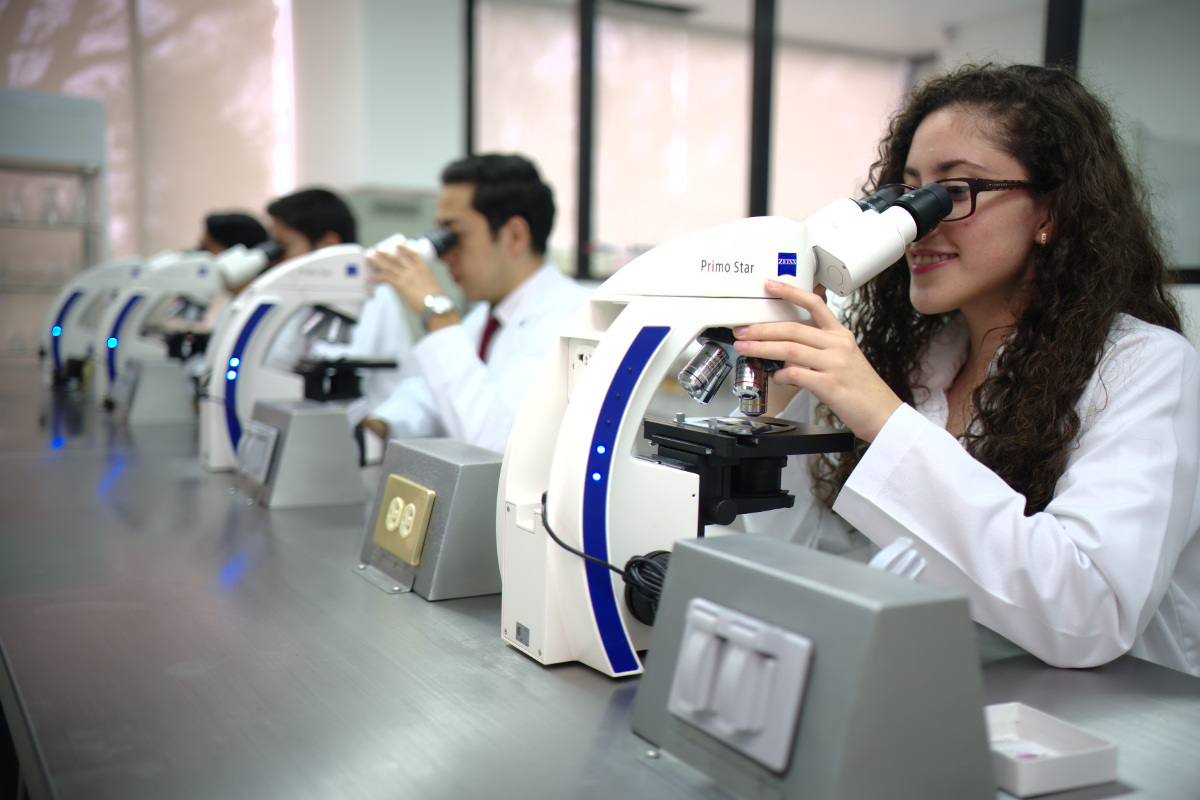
(905, 28)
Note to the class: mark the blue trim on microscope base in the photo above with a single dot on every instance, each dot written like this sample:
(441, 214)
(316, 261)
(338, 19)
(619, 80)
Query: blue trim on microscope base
(233, 369)
(115, 336)
(607, 614)
(58, 325)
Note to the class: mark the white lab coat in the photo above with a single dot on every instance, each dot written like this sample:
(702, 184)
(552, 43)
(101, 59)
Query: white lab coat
(458, 395)
(1113, 563)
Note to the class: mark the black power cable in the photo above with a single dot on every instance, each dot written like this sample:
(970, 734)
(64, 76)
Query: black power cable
(643, 575)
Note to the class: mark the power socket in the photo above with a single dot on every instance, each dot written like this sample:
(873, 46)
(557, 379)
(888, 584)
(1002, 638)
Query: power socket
(403, 519)
(580, 354)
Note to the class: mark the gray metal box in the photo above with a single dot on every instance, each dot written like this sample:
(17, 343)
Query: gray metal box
(457, 556)
(313, 460)
(154, 391)
(894, 702)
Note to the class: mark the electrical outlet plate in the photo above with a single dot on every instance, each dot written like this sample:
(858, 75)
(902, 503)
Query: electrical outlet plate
(741, 680)
(403, 518)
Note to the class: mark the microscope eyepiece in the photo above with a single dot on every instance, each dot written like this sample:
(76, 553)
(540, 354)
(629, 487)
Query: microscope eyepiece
(441, 240)
(928, 206)
(272, 249)
(883, 197)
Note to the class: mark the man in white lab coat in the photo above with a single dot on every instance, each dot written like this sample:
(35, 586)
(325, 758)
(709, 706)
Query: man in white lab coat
(314, 218)
(474, 369)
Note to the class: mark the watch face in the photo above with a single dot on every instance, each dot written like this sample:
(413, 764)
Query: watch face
(439, 304)
(435, 305)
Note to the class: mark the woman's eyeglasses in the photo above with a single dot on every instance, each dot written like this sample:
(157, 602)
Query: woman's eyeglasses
(963, 192)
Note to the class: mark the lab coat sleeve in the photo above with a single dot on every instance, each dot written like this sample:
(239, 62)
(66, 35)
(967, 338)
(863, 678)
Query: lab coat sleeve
(410, 412)
(1076, 583)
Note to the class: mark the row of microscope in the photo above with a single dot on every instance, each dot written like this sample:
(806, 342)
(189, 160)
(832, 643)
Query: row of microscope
(160, 338)
(589, 478)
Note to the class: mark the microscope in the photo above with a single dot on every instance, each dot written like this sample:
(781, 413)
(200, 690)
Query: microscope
(578, 497)
(170, 293)
(257, 353)
(69, 331)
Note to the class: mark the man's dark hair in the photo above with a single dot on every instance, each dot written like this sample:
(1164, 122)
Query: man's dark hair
(235, 228)
(507, 186)
(315, 212)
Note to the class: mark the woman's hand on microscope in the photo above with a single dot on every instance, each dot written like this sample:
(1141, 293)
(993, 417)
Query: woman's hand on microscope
(408, 274)
(823, 358)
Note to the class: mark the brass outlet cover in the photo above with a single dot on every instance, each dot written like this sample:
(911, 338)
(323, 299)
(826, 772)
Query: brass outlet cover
(404, 518)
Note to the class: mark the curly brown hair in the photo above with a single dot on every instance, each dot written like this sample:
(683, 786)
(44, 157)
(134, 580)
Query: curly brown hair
(1105, 259)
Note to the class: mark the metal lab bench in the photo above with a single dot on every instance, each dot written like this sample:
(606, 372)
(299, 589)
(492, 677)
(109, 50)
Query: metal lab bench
(164, 639)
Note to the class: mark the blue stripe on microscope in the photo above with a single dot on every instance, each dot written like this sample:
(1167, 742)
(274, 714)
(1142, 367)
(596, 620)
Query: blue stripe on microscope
(58, 326)
(234, 368)
(595, 497)
(114, 338)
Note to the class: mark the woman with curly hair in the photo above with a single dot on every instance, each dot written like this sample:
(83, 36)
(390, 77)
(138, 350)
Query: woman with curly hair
(1027, 411)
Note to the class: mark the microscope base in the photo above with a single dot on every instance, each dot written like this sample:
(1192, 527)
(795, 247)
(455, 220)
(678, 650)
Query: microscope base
(312, 462)
(154, 390)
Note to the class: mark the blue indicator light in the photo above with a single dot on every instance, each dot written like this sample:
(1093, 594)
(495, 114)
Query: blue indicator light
(56, 330)
(600, 449)
(351, 270)
(112, 342)
(231, 374)
(235, 361)
(595, 476)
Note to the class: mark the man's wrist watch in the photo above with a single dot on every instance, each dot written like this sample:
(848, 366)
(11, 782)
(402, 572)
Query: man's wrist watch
(434, 306)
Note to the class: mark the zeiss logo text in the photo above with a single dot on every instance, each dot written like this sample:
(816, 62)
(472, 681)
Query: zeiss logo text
(787, 264)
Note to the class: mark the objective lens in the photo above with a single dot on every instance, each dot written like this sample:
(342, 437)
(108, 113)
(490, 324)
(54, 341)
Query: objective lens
(750, 385)
(706, 371)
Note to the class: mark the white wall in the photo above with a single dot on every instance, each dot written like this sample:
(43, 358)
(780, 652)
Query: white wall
(186, 88)
(379, 88)
(1148, 65)
(1142, 59)
(1017, 38)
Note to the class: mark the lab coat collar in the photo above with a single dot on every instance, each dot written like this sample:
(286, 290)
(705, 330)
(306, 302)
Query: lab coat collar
(507, 308)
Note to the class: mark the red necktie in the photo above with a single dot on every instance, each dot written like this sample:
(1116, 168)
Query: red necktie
(492, 324)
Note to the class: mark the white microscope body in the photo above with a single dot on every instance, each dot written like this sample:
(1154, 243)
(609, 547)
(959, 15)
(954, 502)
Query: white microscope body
(69, 331)
(576, 433)
(135, 323)
(239, 369)
(234, 361)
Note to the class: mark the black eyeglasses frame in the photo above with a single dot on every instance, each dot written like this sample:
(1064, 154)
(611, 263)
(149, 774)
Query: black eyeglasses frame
(976, 186)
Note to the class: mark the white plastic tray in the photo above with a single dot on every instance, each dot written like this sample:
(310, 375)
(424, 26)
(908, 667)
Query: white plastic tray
(1035, 753)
